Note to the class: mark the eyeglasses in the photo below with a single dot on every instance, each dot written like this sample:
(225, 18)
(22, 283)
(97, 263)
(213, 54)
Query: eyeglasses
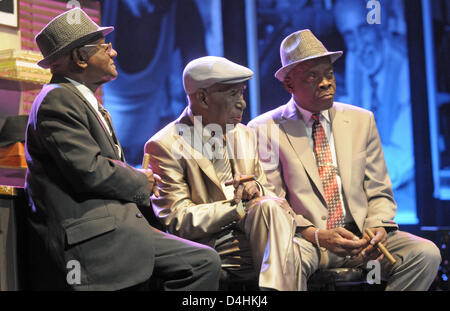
(106, 46)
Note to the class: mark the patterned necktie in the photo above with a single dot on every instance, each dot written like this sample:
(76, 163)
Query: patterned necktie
(327, 174)
(108, 120)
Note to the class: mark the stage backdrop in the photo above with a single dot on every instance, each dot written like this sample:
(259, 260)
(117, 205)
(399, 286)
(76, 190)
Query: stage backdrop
(373, 72)
(156, 38)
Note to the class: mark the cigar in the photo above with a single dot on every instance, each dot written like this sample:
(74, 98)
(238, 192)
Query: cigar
(381, 247)
(146, 160)
(241, 180)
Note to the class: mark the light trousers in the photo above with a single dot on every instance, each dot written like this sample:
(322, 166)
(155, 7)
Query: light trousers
(265, 247)
(417, 262)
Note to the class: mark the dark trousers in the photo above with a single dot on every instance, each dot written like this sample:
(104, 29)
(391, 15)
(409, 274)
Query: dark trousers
(185, 265)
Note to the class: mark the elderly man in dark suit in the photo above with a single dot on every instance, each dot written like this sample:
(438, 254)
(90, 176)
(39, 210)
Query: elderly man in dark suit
(84, 197)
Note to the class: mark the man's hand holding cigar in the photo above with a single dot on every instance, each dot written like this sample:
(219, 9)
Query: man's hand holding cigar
(371, 251)
(245, 188)
(338, 240)
(344, 243)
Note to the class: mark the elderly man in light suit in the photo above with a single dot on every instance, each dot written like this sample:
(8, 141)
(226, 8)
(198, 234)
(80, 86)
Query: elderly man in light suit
(332, 172)
(84, 197)
(195, 155)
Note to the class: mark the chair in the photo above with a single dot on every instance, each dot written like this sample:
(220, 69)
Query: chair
(340, 279)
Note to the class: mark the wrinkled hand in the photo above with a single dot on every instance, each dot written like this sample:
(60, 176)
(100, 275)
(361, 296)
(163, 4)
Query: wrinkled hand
(341, 242)
(371, 251)
(244, 191)
(152, 180)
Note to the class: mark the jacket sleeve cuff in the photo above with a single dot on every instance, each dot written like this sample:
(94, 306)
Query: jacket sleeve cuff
(388, 224)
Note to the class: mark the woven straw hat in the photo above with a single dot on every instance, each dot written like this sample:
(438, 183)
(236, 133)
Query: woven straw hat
(301, 46)
(65, 32)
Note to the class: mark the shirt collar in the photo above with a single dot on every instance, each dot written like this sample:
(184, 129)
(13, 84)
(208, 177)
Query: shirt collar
(86, 92)
(307, 115)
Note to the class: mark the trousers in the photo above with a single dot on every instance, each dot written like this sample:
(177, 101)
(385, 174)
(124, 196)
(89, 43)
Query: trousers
(417, 262)
(185, 265)
(262, 246)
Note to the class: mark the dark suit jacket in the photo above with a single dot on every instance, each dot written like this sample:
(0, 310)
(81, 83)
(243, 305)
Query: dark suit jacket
(84, 200)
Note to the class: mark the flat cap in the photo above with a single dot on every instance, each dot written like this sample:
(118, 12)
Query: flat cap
(206, 71)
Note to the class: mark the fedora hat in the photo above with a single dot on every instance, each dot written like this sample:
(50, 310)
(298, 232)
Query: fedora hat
(65, 32)
(301, 46)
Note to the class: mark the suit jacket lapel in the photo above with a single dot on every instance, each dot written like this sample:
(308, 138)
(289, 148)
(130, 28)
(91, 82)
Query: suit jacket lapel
(65, 83)
(340, 125)
(208, 168)
(294, 127)
(204, 164)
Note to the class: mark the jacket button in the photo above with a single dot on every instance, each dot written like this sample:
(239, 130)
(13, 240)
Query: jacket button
(139, 215)
(324, 217)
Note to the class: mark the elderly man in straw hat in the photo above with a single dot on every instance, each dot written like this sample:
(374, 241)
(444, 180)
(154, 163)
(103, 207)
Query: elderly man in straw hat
(333, 173)
(84, 197)
(197, 154)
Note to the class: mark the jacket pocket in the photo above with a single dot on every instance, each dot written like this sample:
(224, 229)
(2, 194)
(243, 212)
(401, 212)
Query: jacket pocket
(84, 229)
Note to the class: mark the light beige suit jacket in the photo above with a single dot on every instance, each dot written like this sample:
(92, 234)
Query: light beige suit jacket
(366, 185)
(192, 203)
